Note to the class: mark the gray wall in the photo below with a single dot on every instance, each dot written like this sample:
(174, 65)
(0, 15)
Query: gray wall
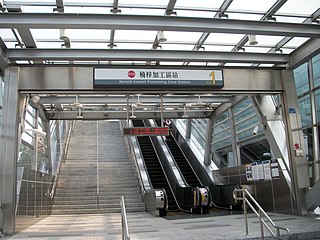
(273, 195)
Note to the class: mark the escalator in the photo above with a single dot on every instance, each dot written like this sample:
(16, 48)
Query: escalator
(221, 194)
(181, 161)
(156, 174)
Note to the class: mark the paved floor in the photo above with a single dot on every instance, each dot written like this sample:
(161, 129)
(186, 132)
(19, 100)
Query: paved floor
(146, 226)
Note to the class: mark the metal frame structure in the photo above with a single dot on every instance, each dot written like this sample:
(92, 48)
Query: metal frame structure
(66, 92)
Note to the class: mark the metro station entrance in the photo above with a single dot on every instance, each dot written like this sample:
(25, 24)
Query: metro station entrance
(233, 122)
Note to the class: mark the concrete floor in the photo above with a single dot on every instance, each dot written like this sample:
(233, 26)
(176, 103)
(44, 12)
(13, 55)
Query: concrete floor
(146, 226)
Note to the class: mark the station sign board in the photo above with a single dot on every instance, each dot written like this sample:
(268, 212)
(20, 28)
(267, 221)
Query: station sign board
(146, 131)
(144, 78)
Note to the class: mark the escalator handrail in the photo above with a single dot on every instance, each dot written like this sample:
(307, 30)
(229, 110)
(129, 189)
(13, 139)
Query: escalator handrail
(140, 164)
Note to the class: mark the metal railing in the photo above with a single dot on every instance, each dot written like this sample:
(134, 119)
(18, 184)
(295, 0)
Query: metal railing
(124, 222)
(260, 213)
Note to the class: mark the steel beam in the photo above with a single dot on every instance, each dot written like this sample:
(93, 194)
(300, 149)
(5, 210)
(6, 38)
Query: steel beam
(118, 114)
(121, 99)
(170, 7)
(27, 37)
(285, 40)
(273, 9)
(143, 55)
(164, 23)
(60, 6)
(112, 33)
(268, 14)
(305, 52)
(224, 7)
(168, 12)
(3, 58)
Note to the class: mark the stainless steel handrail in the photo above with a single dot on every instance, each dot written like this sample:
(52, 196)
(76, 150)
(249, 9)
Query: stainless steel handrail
(124, 222)
(260, 213)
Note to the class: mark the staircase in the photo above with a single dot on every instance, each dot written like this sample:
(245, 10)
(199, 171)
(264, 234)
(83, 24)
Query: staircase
(88, 186)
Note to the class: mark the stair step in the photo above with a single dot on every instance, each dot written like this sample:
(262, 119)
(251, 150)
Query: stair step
(77, 186)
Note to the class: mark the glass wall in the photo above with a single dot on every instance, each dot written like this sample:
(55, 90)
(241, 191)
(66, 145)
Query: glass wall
(221, 144)
(308, 92)
(252, 147)
(35, 167)
(198, 130)
(58, 132)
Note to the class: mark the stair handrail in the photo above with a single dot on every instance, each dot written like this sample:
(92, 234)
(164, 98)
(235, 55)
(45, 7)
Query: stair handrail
(62, 157)
(124, 222)
(260, 213)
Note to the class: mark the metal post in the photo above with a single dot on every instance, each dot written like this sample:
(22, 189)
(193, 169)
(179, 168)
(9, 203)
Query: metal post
(261, 224)
(36, 143)
(188, 128)
(298, 170)
(207, 150)
(245, 211)
(9, 150)
(161, 109)
(128, 114)
(48, 141)
(98, 189)
(235, 146)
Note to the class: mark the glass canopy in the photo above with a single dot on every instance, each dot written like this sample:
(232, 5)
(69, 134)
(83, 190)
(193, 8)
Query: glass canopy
(177, 39)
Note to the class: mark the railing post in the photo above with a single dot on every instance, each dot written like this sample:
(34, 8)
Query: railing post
(245, 211)
(124, 222)
(260, 214)
(261, 224)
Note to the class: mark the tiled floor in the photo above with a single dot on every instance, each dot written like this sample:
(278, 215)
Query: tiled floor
(145, 226)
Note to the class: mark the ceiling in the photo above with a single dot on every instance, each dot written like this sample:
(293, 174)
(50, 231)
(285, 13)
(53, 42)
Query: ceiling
(127, 32)
(184, 34)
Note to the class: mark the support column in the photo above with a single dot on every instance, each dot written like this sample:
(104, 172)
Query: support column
(298, 163)
(207, 148)
(35, 161)
(315, 136)
(188, 128)
(48, 138)
(235, 146)
(9, 150)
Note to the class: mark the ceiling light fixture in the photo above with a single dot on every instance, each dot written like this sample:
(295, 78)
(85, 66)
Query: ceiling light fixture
(161, 37)
(253, 40)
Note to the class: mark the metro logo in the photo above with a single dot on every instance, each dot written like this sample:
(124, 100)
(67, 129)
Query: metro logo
(131, 74)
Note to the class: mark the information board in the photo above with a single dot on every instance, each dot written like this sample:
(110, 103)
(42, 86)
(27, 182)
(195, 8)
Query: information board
(265, 170)
(159, 78)
(146, 131)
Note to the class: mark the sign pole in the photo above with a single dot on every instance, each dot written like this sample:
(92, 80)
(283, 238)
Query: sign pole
(161, 109)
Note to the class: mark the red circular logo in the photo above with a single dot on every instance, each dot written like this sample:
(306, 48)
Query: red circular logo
(131, 74)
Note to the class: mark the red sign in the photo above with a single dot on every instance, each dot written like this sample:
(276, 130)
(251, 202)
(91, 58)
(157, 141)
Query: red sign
(131, 74)
(146, 131)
